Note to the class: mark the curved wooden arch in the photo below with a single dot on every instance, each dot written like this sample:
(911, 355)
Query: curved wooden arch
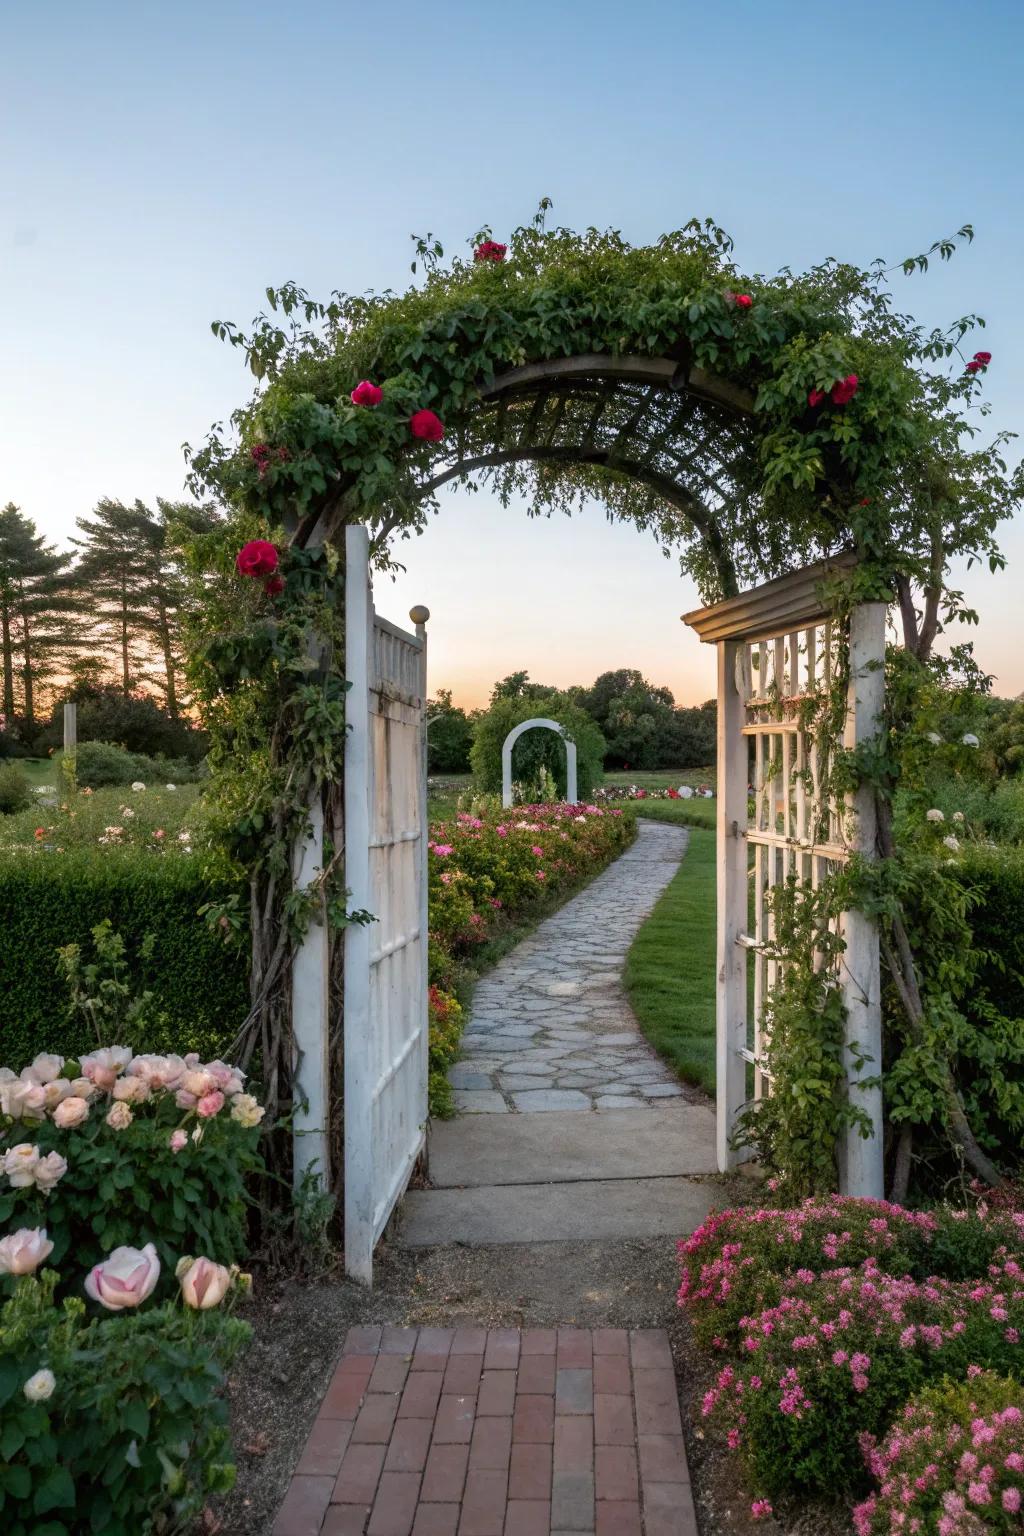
(506, 758)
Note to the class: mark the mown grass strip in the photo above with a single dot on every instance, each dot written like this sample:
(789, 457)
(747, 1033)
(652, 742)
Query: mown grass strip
(670, 969)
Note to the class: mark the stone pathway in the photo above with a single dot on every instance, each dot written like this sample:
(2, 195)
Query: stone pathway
(551, 1027)
(500, 1432)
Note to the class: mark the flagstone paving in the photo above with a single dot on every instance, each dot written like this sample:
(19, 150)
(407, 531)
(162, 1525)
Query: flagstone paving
(496, 1432)
(551, 1027)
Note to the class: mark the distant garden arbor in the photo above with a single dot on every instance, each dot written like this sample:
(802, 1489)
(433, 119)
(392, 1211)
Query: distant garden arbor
(506, 758)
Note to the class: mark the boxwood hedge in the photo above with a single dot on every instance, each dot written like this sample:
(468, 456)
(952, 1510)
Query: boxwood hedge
(199, 984)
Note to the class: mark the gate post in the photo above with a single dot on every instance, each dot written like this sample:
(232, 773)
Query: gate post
(419, 616)
(861, 1158)
(359, 1085)
(731, 992)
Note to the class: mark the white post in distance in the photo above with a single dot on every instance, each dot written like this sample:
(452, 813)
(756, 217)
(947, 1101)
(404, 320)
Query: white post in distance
(731, 966)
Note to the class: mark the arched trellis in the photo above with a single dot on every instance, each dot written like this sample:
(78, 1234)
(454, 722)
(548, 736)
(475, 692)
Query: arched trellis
(506, 757)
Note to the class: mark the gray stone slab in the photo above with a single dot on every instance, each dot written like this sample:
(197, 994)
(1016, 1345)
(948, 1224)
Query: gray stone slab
(482, 1102)
(662, 1140)
(528, 1213)
(615, 1101)
(546, 1100)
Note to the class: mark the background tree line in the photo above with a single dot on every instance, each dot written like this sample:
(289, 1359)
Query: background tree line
(100, 622)
(642, 726)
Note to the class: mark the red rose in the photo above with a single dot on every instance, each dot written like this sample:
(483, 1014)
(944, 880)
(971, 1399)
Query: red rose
(257, 558)
(844, 391)
(865, 501)
(259, 452)
(743, 301)
(490, 250)
(273, 585)
(426, 425)
(366, 393)
(974, 367)
(815, 398)
(984, 358)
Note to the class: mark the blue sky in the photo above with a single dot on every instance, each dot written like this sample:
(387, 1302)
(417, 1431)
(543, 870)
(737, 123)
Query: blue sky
(162, 164)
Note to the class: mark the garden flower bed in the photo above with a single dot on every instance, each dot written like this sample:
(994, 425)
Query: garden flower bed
(125, 1175)
(845, 1325)
(489, 874)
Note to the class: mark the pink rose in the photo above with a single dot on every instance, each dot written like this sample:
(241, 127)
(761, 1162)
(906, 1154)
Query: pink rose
(203, 1283)
(125, 1278)
(490, 250)
(210, 1104)
(70, 1112)
(103, 1068)
(984, 358)
(844, 391)
(22, 1252)
(366, 393)
(131, 1090)
(743, 301)
(119, 1116)
(184, 1099)
(179, 1139)
(257, 558)
(49, 1171)
(44, 1068)
(427, 426)
(198, 1081)
(815, 397)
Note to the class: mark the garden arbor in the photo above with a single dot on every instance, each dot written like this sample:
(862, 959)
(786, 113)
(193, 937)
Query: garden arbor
(755, 424)
(506, 757)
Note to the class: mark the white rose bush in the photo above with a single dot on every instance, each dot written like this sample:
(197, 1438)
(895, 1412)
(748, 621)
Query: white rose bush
(122, 1224)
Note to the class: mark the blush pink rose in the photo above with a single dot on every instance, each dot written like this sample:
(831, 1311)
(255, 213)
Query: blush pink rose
(70, 1112)
(203, 1283)
(22, 1252)
(210, 1104)
(125, 1278)
(179, 1139)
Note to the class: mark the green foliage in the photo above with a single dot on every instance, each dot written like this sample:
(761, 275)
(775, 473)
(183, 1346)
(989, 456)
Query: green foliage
(134, 1437)
(539, 749)
(135, 721)
(642, 726)
(449, 735)
(15, 794)
(199, 985)
(446, 1023)
(157, 820)
(101, 995)
(101, 763)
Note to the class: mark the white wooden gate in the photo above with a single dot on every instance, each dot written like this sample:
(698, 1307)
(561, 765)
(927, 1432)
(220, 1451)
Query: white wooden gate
(775, 647)
(385, 993)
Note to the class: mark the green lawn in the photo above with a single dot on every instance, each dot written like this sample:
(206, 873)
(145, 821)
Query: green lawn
(38, 770)
(670, 969)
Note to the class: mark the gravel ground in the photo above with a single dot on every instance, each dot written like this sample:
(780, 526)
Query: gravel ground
(299, 1328)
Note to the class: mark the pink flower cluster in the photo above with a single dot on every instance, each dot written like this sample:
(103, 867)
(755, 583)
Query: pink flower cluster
(943, 1470)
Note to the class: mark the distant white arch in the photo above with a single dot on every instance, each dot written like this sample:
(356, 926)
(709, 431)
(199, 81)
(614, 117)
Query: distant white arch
(506, 758)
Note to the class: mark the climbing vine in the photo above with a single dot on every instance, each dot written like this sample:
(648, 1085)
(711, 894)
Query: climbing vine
(847, 425)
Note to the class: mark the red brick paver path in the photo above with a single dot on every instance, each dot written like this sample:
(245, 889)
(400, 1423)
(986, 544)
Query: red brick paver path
(500, 1432)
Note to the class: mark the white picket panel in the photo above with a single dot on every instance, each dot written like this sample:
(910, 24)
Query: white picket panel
(385, 991)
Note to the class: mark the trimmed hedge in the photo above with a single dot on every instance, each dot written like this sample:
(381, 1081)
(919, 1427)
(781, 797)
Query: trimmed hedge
(199, 983)
(997, 877)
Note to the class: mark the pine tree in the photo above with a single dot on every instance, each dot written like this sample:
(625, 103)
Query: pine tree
(36, 608)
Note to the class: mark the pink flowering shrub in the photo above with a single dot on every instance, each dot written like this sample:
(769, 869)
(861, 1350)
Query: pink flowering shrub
(839, 1354)
(120, 1150)
(740, 1261)
(952, 1463)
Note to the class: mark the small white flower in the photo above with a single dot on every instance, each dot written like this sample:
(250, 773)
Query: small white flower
(958, 816)
(127, 812)
(951, 842)
(970, 740)
(138, 786)
(40, 1386)
(935, 738)
(934, 815)
(170, 786)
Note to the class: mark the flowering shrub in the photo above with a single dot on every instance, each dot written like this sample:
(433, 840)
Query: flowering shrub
(740, 1261)
(114, 1424)
(838, 1355)
(445, 1015)
(118, 1149)
(953, 1463)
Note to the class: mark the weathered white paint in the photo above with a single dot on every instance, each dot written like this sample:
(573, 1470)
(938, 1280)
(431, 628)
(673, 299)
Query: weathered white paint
(70, 728)
(506, 758)
(310, 1074)
(775, 645)
(385, 1001)
(861, 1163)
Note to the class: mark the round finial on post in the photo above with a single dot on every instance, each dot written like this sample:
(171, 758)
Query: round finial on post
(419, 614)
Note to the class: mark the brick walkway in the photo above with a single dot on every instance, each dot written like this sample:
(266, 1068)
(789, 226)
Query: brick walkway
(470, 1432)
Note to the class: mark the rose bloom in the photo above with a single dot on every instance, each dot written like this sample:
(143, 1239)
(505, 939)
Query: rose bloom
(81, 1088)
(50, 1170)
(20, 1164)
(40, 1386)
(366, 393)
(54, 1092)
(273, 587)
(70, 1112)
(490, 250)
(104, 1067)
(131, 1090)
(125, 1278)
(23, 1099)
(119, 1116)
(743, 301)
(210, 1104)
(199, 1082)
(844, 391)
(815, 397)
(426, 426)
(22, 1252)
(158, 1071)
(179, 1139)
(203, 1283)
(257, 558)
(228, 1079)
(246, 1111)
(984, 358)
(184, 1099)
(44, 1068)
